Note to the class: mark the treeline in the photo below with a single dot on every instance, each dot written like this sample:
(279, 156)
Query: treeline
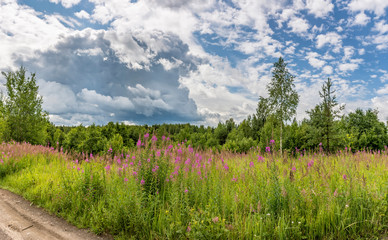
(327, 129)
(357, 131)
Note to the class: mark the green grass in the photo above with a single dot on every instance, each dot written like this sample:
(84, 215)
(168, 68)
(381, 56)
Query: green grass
(209, 196)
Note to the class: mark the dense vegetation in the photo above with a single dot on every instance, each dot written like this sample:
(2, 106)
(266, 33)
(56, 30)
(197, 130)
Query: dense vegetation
(161, 191)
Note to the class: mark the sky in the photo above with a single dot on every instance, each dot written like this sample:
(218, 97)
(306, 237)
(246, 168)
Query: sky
(195, 61)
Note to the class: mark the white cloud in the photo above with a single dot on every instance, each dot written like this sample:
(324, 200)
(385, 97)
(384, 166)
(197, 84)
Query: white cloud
(312, 57)
(376, 6)
(82, 14)
(298, 25)
(108, 103)
(22, 36)
(345, 67)
(360, 19)
(381, 27)
(332, 39)
(66, 3)
(380, 103)
(348, 53)
(168, 65)
(361, 51)
(327, 70)
(319, 8)
(383, 90)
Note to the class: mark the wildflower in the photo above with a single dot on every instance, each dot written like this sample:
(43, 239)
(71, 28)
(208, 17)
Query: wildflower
(320, 144)
(293, 169)
(107, 168)
(125, 179)
(215, 220)
(138, 143)
(335, 193)
(142, 182)
(226, 167)
(188, 229)
(186, 191)
(234, 179)
(268, 149)
(272, 141)
(251, 164)
(134, 173)
(346, 206)
(154, 138)
(158, 153)
(146, 135)
(163, 137)
(344, 177)
(260, 158)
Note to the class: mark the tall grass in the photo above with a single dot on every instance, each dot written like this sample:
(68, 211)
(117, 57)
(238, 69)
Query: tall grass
(163, 190)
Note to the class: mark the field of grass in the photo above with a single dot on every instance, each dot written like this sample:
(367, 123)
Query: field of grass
(163, 190)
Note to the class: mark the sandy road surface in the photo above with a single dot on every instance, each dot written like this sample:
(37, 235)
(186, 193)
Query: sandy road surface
(21, 220)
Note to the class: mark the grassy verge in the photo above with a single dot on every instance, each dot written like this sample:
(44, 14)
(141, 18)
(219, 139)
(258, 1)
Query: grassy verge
(161, 191)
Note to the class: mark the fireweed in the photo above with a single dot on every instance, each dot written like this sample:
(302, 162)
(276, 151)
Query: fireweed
(165, 190)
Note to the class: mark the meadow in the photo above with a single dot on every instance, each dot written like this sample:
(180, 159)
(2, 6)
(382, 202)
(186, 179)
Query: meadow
(165, 190)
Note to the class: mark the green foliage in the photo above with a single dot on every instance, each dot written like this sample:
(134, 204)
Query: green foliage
(322, 117)
(196, 196)
(283, 98)
(25, 121)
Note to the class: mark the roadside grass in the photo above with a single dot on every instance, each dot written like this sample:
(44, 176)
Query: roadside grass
(163, 190)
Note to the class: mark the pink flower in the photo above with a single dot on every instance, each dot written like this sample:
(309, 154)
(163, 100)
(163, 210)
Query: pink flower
(146, 135)
(234, 179)
(142, 182)
(267, 149)
(134, 173)
(251, 164)
(138, 143)
(125, 179)
(186, 191)
(272, 141)
(158, 153)
(107, 168)
(154, 138)
(188, 229)
(260, 159)
(293, 169)
(344, 177)
(335, 194)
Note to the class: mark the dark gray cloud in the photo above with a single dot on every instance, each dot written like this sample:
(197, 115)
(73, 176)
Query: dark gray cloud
(84, 80)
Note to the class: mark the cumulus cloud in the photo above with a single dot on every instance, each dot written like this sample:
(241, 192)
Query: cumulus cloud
(328, 70)
(298, 25)
(319, 8)
(360, 19)
(22, 36)
(376, 6)
(82, 14)
(332, 39)
(312, 57)
(66, 3)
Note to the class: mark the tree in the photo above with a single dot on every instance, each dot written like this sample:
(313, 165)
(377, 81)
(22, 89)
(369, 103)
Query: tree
(283, 98)
(327, 114)
(25, 120)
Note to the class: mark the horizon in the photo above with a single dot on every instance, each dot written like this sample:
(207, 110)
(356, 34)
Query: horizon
(197, 62)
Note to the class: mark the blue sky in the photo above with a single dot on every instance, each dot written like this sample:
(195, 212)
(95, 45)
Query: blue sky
(197, 61)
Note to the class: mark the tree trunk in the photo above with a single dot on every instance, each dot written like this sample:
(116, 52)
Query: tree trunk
(281, 136)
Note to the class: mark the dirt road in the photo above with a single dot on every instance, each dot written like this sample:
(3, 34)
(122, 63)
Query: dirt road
(20, 220)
